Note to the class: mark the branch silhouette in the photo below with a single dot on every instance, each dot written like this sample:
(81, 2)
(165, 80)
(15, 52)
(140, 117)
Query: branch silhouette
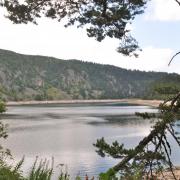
(178, 2)
(173, 58)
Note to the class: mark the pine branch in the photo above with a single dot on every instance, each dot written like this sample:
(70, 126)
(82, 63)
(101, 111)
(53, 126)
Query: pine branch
(176, 139)
(139, 148)
(157, 136)
(169, 160)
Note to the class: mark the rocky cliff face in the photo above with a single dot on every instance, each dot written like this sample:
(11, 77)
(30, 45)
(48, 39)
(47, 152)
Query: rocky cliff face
(24, 77)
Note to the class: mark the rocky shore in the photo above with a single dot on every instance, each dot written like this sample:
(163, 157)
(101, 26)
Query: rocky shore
(153, 103)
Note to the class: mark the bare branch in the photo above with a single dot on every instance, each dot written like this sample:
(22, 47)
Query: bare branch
(178, 2)
(174, 55)
(176, 139)
(169, 160)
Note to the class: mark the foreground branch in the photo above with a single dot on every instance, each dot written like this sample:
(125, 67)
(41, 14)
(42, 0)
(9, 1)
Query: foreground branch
(149, 160)
(140, 147)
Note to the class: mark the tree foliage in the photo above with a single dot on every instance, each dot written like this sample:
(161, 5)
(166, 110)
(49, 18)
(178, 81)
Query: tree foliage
(101, 18)
(2, 107)
(153, 153)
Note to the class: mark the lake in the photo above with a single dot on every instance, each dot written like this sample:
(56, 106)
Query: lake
(67, 133)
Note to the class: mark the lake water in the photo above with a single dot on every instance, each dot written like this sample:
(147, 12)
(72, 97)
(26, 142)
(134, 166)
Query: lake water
(67, 133)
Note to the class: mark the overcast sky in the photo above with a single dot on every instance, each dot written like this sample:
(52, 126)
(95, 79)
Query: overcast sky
(157, 31)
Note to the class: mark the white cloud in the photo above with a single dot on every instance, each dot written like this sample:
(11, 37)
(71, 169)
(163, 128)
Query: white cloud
(52, 39)
(150, 59)
(163, 10)
(155, 59)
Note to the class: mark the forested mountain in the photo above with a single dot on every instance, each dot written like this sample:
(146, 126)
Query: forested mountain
(26, 77)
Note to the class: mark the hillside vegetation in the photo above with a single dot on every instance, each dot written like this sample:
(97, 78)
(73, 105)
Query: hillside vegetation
(26, 77)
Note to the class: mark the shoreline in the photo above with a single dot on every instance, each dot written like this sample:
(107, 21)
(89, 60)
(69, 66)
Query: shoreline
(153, 103)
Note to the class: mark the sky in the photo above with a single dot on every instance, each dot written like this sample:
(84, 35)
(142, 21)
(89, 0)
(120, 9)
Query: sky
(157, 32)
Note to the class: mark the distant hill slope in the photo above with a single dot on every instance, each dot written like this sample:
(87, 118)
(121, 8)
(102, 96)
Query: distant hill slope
(25, 77)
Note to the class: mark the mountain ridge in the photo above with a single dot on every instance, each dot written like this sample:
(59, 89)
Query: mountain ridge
(36, 77)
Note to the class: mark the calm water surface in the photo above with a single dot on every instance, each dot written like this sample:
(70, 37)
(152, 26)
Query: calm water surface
(67, 133)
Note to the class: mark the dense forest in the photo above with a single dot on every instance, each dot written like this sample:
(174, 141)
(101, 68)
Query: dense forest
(26, 77)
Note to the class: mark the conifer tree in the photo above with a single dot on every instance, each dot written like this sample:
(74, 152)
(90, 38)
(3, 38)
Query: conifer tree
(153, 153)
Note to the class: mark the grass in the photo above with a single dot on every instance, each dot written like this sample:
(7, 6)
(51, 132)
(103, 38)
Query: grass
(40, 170)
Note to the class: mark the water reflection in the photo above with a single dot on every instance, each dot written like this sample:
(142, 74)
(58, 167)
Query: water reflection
(68, 132)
